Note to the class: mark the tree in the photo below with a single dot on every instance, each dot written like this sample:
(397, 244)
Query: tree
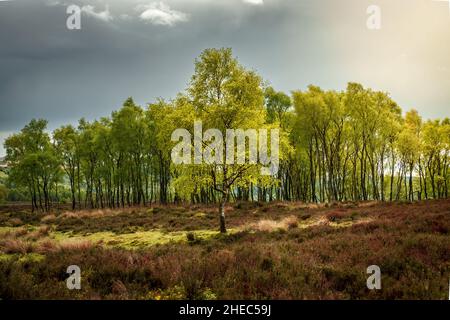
(34, 163)
(226, 96)
(66, 140)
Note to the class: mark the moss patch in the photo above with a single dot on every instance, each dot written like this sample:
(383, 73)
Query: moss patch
(136, 240)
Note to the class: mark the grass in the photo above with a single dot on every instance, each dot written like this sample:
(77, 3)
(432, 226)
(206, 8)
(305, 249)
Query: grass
(135, 240)
(272, 251)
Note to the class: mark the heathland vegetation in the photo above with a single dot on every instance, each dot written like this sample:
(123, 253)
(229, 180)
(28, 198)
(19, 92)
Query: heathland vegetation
(279, 250)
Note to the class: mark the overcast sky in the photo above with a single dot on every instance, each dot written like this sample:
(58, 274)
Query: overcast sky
(146, 49)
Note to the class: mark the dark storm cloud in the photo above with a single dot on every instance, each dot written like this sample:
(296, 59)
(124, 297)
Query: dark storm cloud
(61, 75)
(50, 72)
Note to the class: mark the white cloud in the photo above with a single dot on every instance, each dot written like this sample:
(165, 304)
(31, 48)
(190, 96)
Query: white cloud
(101, 15)
(254, 2)
(159, 13)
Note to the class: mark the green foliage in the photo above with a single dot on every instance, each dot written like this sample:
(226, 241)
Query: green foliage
(34, 162)
(277, 105)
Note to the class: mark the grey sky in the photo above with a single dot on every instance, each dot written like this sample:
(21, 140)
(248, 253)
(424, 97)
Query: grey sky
(146, 49)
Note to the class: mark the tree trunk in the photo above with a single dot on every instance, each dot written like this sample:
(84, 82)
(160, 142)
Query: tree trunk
(223, 228)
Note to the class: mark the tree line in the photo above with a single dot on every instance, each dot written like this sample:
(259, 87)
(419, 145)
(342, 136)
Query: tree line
(350, 145)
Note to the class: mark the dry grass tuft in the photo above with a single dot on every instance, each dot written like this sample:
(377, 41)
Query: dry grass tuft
(76, 245)
(40, 232)
(291, 222)
(47, 246)
(97, 213)
(335, 216)
(48, 218)
(119, 289)
(15, 222)
(16, 233)
(267, 225)
(11, 246)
